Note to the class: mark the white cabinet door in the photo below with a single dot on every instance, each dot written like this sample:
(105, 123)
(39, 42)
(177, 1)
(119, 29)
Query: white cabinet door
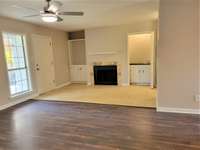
(74, 74)
(78, 73)
(132, 74)
(140, 74)
(83, 73)
(146, 74)
(136, 74)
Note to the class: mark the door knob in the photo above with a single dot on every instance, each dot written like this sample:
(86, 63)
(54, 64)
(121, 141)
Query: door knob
(37, 67)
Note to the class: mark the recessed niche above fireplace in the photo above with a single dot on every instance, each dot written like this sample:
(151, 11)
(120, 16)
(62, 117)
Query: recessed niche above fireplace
(105, 75)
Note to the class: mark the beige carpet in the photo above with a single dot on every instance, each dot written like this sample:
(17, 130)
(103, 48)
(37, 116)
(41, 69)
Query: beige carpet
(141, 96)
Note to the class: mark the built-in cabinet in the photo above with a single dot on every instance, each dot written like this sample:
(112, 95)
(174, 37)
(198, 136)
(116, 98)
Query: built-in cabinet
(77, 57)
(140, 74)
(78, 73)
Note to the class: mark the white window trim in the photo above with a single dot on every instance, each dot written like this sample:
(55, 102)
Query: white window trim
(27, 59)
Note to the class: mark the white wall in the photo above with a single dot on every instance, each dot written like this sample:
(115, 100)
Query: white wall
(178, 54)
(59, 39)
(140, 48)
(113, 39)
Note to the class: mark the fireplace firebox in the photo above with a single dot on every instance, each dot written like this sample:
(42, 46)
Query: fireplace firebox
(105, 75)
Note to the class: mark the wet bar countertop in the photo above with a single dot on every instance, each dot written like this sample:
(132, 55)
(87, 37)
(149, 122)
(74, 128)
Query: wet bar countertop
(140, 64)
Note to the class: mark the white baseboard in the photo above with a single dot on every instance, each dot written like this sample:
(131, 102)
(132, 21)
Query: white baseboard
(89, 83)
(78, 82)
(15, 102)
(178, 110)
(62, 85)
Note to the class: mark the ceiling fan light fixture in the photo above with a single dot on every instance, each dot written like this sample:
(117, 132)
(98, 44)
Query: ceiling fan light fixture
(52, 13)
(49, 18)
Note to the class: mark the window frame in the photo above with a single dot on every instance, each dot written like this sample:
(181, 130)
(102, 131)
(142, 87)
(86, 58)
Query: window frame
(26, 65)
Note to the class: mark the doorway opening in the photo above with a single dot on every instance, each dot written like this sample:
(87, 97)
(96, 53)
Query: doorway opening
(142, 65)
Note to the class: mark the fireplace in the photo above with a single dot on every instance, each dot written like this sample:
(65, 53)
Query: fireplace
(105, 75)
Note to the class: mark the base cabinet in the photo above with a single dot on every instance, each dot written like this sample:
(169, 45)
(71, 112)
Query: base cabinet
(140, 74)
(78, 73)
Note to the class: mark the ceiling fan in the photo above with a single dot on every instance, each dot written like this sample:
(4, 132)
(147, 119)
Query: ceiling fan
(51, 12)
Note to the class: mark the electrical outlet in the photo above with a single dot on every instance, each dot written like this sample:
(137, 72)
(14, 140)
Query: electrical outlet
(197, 98)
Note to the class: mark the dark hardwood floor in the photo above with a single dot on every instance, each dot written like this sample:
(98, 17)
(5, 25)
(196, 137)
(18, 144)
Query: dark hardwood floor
(43, 125)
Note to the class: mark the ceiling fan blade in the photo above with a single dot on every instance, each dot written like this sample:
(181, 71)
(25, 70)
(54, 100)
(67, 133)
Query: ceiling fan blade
(35, 15)
(59, 19)
(23, 7)
(71, 13)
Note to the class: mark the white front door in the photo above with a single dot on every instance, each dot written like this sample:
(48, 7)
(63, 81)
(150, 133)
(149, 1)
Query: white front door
(44, 63)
